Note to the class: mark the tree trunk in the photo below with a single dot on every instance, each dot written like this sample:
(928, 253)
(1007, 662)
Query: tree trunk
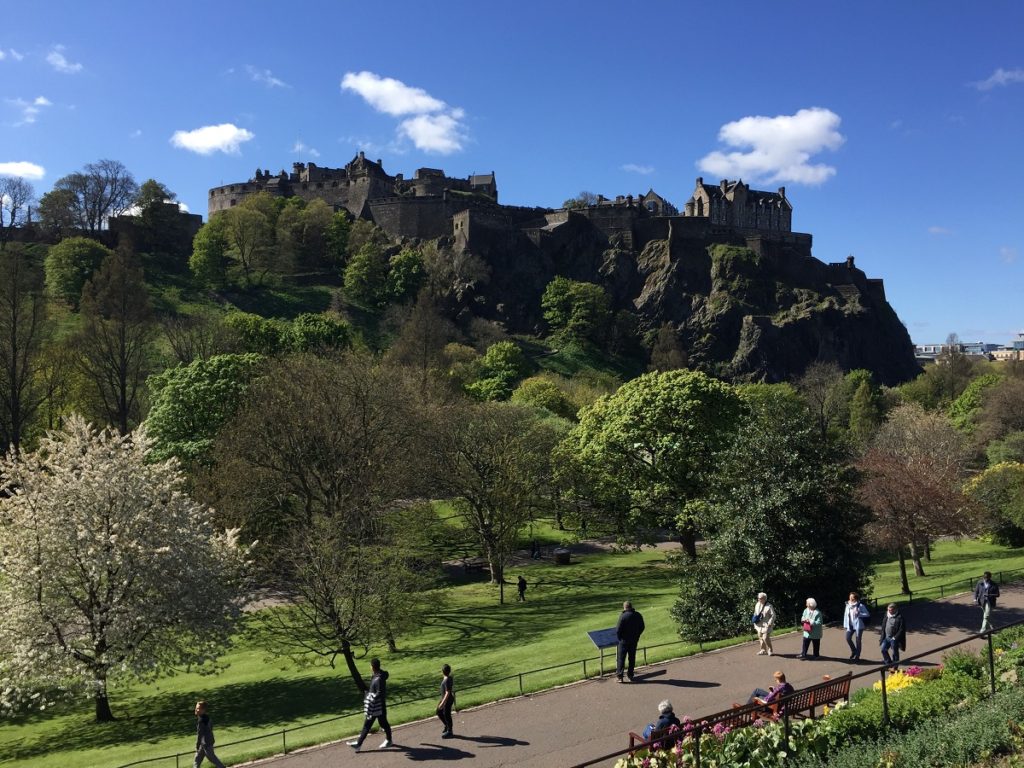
(928, 549)
(350, 662)
(392, 645)
(904, 584)
(915, 555)
(103, 713)
(689, 543)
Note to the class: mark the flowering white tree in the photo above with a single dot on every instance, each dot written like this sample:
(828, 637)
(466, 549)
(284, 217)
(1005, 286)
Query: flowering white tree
(107, 569)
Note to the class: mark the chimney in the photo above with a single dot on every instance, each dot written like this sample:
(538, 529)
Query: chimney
(782, 192)
(700, 180)
(723, 184)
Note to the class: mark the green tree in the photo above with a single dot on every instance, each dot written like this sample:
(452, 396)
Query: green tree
(780, 517)
(576, 310)
(653, 441)
(264, 336)
(496, 467)
(310, 332)
(502, 365)
(405, 275)
(1000, 492)
(866, 412)
(337, 239)
(250, 239)
(582, 200)
(56, 212)
(362, 232)
(964, 410)
(116, 337)
(70, 263)
(1010, 448)
(208, 261)
(366, 277)
(191, 403)
(541, 392)
(22, 331)
(314, 463)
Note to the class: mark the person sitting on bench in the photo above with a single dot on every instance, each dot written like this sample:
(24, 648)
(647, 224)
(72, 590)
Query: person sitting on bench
(773, 694)
(666, 719)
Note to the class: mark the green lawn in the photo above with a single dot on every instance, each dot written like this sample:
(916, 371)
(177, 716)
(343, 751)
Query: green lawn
(952, 561)
(482, 640)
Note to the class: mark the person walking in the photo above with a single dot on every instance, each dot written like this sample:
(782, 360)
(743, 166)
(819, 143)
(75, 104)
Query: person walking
(447, 703)
(627, 632)
(892, 636)
(204, 738)
(985, 594)
(522, 590)
(375, 707)
(811, 623)
(764, 620)
(855, 616)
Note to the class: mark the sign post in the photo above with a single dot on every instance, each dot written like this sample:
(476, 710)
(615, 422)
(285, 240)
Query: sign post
(603, 638)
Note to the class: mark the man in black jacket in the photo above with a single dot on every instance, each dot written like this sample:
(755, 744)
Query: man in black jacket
(627, 631)
(204, 738)
(985, 594)
(892, 636)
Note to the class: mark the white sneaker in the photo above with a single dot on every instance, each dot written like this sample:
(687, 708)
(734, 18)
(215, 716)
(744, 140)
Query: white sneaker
(354, 744)
(769, 653)
(385, 744)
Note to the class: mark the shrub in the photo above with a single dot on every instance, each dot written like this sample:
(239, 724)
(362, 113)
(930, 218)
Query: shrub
(964, 662)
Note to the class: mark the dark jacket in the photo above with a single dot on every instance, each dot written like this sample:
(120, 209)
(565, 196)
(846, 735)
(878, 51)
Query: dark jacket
(667, 720)
(375, 701)
(986, 592)
(630, 627)
(204, 731)
(898, 629)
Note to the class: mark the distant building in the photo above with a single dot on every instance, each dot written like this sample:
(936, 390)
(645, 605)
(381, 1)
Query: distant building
(734, 204)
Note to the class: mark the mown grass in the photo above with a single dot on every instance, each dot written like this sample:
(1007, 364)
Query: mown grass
(482, 640)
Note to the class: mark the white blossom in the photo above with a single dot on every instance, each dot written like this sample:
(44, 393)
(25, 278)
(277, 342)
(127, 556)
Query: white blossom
(107, 568)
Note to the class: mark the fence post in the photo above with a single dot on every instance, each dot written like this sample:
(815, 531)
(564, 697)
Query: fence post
(785, 721)
(176, 763)
(696, 745)
(645, 655)
(584, 668)
(991, 664)
(284, 741)
(942, 591)
(520, 683)
(885, 700)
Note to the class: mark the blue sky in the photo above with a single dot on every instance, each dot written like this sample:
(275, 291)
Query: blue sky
(896, 127)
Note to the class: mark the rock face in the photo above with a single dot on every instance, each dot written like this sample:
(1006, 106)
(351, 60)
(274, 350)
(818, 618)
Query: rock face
(745, 306)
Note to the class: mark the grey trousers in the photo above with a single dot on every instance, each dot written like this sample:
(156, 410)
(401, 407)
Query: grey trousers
(207, 752)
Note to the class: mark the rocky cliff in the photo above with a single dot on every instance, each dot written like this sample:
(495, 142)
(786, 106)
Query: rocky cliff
(745, 307)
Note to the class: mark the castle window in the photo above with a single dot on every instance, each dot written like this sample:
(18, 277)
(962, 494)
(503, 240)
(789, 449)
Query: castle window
(233, 201)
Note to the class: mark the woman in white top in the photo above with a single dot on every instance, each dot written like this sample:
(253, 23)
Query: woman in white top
(764, 620)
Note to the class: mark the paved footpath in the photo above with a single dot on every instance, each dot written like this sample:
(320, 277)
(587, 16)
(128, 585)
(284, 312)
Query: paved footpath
(586, 720)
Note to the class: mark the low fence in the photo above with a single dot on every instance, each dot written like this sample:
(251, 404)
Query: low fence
(699, 729)
(941, 590)
(591, 666)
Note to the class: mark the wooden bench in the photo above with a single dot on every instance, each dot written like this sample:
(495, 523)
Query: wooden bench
(799, 704)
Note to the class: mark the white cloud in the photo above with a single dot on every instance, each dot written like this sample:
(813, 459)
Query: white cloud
(15, 55)
(2, 54)
(385, 94)
(434, 133)
(23, 169)
(266, 77)
(1000, 77)
(1008, 254)
(434, 126)
(226, 137)
(29, 109)
(780, 147)
(300, 148)
(643, 170)
(59, 61)
(135, 134)
(939, 231)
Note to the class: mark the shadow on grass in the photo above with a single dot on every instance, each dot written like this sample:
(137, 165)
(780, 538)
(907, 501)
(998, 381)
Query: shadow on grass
(263, 704)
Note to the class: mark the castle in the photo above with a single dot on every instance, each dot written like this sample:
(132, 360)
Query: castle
(431, 205)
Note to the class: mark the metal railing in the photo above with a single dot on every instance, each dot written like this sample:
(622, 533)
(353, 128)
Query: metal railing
(697, 728)
(952, 588)
(595, 669)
